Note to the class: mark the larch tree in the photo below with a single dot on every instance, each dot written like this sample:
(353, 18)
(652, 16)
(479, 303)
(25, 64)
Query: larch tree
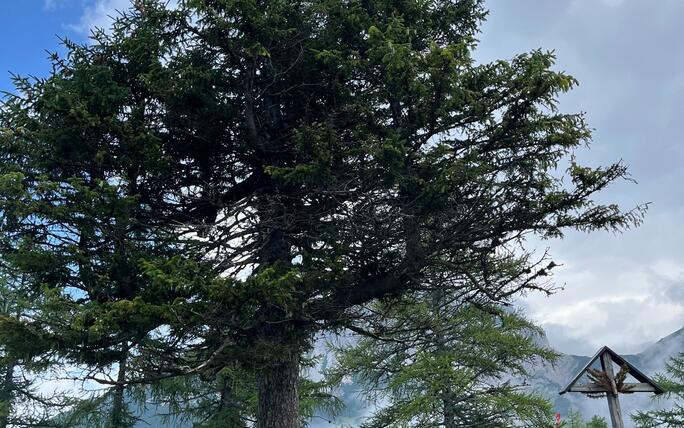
(672, 382)
(574, 420)
(212, 185)
(436, 361)
(77, 151)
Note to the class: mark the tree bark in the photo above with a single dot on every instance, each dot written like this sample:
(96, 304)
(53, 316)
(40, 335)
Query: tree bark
(449, 411)
(279, 394)
(118, 416)
(6, 396)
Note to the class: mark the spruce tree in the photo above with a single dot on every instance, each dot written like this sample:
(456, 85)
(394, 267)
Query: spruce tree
(213, 186)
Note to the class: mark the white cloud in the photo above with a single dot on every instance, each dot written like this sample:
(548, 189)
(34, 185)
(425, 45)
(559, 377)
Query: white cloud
(99, 15)
(613, 297)
(49, 4)
(625, 323)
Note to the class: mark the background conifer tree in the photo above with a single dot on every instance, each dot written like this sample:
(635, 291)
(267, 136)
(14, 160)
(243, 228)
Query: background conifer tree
(597, 422)
(436, 361)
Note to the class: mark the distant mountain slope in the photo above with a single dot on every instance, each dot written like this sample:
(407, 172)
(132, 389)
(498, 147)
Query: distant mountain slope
(546, 379)
(550, 379)
(653, 358)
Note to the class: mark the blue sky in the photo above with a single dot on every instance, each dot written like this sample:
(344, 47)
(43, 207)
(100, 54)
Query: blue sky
(620, 290)
(32, 27)
(29, 28)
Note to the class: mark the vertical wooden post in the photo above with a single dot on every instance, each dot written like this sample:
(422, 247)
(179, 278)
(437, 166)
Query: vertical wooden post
(613, 400)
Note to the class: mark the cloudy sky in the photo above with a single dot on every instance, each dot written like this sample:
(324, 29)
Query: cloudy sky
(621, 290)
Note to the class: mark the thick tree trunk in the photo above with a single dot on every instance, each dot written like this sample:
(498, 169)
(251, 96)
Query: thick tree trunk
(279, 394)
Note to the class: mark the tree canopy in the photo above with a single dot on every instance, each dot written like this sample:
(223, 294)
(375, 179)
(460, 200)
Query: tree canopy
(214, 185)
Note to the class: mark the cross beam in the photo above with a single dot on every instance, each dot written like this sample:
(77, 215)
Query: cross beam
(594, 388)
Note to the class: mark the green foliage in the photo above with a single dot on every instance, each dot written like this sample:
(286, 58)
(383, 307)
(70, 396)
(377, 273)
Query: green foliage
(95, 411)
(574, 420)
(597, 422)
(228, 398)
(672, 381)
(22, 361)
(215, 186)
(440, 363)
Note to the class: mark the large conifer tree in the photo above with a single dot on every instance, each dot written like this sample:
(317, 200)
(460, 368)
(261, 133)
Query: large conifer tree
(214, 185)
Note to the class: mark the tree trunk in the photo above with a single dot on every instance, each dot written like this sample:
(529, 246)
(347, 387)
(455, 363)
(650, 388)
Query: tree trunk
(449, 410)
(449, 401)
(279, 394)
(6, 395)
(118, 416)
(230, 411)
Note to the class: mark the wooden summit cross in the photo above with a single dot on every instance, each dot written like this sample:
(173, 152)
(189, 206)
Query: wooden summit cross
(606, 383)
